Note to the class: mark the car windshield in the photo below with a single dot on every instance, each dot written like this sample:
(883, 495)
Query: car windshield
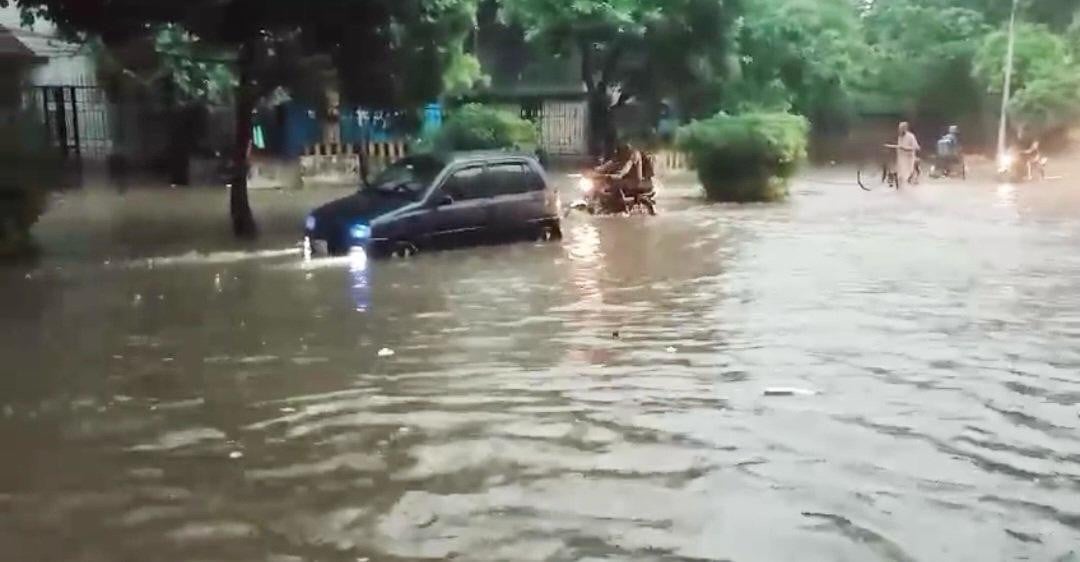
(408, 176)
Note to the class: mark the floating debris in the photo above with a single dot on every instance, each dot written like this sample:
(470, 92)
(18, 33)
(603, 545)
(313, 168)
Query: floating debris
(287, 410)
(386, 352)
(236, 455)
(672, 349)
(789, 392)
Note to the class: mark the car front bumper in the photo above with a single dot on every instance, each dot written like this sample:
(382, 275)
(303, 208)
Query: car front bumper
(316, 246)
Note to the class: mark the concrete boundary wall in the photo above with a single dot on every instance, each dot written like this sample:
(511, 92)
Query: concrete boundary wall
(340, 164)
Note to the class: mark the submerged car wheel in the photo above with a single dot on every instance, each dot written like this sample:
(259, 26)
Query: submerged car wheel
(548, 233)
(405, 250)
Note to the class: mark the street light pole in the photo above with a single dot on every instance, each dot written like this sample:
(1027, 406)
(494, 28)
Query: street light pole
(1002, 125)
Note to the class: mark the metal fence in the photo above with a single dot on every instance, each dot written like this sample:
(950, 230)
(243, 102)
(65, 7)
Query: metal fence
(76, 118)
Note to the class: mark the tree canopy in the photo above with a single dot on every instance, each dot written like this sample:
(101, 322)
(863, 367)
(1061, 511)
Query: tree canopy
(799, 55)
(634, 49)
(387, 51)
(829, 60)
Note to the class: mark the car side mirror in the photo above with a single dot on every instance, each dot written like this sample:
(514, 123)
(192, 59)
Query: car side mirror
(443, 200)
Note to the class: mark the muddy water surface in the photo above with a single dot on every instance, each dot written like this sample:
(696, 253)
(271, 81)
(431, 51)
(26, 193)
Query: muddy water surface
(168, 395)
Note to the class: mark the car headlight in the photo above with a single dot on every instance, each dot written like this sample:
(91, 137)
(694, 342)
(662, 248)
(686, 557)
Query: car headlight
(310, 222)
(585, 184)
(359, 232)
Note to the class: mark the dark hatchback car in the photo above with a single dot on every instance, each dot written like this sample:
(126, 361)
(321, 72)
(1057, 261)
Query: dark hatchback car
(439, 201)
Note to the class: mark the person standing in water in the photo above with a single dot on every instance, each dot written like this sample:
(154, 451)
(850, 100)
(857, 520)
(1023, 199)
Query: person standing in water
(907, 153)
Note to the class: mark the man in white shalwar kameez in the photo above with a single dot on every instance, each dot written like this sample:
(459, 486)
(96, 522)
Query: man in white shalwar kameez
(907, 151)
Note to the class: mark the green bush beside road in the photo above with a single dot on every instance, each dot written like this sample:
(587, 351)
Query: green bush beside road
(27, 170)
(481, 127)
(748, 157)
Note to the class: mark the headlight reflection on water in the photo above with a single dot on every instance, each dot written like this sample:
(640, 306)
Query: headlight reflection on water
(359, 279)
(585, 252)
(1006, 196)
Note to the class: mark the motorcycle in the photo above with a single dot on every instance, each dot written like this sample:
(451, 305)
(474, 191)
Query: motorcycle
(1012, 168)
(948, 167)
(599, 198)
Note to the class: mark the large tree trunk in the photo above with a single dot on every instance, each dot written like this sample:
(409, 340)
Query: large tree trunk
(182, 144)
(243, 221)
(601, 126)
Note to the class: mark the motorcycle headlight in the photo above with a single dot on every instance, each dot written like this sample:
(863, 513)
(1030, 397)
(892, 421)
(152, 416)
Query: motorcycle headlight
(1006, 160)
(585, 184)
(359, 233)
(310, 222)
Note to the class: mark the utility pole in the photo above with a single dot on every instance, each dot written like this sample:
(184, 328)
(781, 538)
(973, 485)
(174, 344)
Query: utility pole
(1002, 124)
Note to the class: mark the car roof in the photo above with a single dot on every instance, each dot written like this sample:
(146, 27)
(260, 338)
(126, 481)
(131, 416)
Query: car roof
(472, 156)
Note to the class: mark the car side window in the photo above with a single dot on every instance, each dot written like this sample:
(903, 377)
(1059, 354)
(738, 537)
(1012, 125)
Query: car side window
(464, 184)
(506, 179)
(533, 180)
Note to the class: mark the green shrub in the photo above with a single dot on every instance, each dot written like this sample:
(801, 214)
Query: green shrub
(746, 157)
(480, 127)
(27, 169)
(1047, 104)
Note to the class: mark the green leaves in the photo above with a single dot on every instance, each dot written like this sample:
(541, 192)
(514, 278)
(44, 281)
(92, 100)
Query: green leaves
(389, 52)
(28, 167)
(645, 48)
(481, 127)
(797, 54)
(1038, 53)
(746, 157)
(1046, 77)
(1047, 103)
(200, 74)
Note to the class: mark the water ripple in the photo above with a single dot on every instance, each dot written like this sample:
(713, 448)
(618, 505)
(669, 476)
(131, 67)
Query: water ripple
(601, 399)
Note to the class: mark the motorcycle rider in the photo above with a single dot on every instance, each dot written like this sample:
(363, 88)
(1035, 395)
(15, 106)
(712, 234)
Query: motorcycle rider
(949, 152)
(625, 171)
(1032, 159)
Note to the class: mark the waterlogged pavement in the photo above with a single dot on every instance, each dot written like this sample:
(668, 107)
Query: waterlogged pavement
(168, 395)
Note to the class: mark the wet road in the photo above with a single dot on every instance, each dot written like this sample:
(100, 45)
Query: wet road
(228, 405)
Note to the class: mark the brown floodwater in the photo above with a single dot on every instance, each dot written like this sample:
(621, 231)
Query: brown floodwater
(167, 394)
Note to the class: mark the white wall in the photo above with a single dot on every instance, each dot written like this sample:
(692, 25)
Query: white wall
(67, 64)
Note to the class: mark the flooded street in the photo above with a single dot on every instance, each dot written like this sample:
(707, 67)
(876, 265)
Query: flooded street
(169, 395)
